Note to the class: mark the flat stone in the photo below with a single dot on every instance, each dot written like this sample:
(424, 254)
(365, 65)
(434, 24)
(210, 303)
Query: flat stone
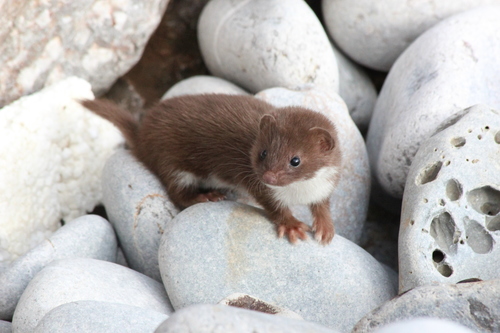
(219, 318)
(349, 201)
(138, 208)
(88, 236)
(266, 43)
(428, 325)
(203, 84)
(103, 317)
(248, 302)
(83, 279)
(211, 250)
(450, 222)
(450, 67)
(475, 305)
(375, 33)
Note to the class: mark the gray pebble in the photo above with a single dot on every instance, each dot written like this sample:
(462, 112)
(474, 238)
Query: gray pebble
(427, 325)
(203, 84)
(5, 326)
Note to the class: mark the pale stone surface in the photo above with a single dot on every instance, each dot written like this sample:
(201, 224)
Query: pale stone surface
(99, 317)
(450, 67)
(43, 42)
(138, 208)
(427, 325)
(5, 326)
(218, 318)
(53, 151)
(212, 250)
(261, 44)
(474, 305)
(450, 220)
(375, 33)
(245, 301)
(349, 201)
(203, 84)
(77, 279)
(87, 236)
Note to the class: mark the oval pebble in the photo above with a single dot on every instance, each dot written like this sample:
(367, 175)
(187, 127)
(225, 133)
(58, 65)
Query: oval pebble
(203, 84)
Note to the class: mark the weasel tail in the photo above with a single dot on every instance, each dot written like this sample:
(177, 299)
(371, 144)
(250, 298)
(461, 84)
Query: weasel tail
(121, 118)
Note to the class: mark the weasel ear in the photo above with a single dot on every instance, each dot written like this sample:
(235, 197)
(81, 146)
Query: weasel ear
(323, 138)
(267, 122)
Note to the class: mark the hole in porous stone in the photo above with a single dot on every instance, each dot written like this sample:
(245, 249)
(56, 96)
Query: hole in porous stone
(497, 137)
(443, 230)
(485, 200)
(493, 224)
(429, 173)
(453, 189)
(437, 256)
(441, 202)
(445, 270)
(470, 280)
(458, 141)
(479, 137)
(479, 240)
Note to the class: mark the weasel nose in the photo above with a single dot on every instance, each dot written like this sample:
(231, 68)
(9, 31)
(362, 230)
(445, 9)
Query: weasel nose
(270, 178)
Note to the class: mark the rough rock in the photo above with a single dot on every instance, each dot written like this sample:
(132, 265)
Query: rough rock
(218, 318)
(138, 208)
(83, 279)
(474, 305)
(53, 151)
(248, 302)
(450, 67)
(375, 33)
(211, 250)
(203, 84)
(99, 317)
(428, 325)
(349, 201)
(44, 42)
(87, 236)
(450, 220)
(262, 44)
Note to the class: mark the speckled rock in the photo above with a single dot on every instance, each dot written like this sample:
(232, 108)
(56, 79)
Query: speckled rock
(450, 67)
(475, 305)
(248, 302)
(99, 317)
(72, 280)
(219, 318)
(349, 201)
(450, 220)
(87, 236)
(139, 209)
(203, 84)
(428, 325)
(375, 33)
(212, 250)
(262, 44)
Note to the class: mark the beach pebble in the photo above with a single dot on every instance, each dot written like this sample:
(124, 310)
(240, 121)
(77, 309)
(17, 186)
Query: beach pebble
(349, 201)
(99, 317)
(88, 236)
(475, 305)
(245, 301)
(212, 250)
(219, 318)
(450, 67)
(203, 84)
(266, 43)
(78, 279)
(451, 205)
(5, 326)
(138, 208)
(428, 325)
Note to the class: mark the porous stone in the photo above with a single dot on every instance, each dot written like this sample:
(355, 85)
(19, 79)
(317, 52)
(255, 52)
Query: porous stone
(450, 221)
(450, 67)
(138, 208)
(349, 201)
(375, 33)
(99, 317)
(44, 42)
(248, 302)
(87, 236)
(211, 250)
(262, 44)
(219, 318)
(203, 84)
(474, 305)
(428, 325)
(53, 151)
(83, 279)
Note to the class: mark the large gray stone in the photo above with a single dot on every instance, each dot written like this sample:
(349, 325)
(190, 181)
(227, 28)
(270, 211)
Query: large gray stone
(427, 325)
(99, 317)
(219, 318)
(77, 279)
(262, 44)
(139, 209)
(5, 326)
(88, 236)
(212, 250)
(450, 67)
(450, 221)
(203, 84)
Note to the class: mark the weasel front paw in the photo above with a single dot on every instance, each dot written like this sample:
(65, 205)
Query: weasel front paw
(323, 232)
(293, 230)
(210, 196)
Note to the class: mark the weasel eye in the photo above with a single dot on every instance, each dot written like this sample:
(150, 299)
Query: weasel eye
(263, 154)
(295, 162)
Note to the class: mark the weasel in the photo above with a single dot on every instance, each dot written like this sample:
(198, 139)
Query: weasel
(199, 144)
